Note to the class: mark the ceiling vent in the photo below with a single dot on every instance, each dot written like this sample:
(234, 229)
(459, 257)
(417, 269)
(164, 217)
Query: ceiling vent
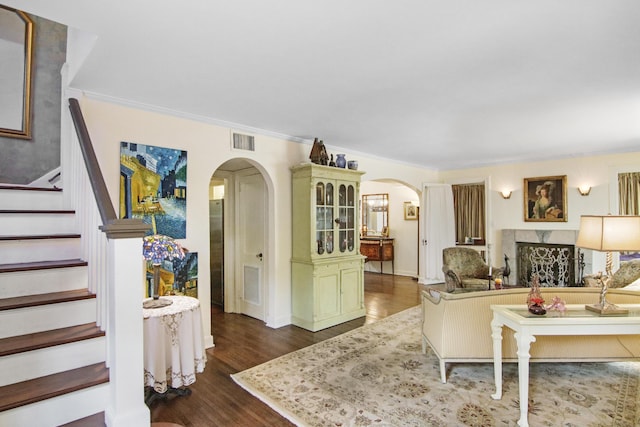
(243, 142)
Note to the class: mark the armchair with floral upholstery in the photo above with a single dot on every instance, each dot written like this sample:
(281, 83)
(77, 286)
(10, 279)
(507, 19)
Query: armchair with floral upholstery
(628, 272)
(465, 269)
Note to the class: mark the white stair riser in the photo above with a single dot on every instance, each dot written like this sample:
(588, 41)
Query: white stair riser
(58, 410)
(39, 250)
(51, 360)
(32, 200)
(40, 223)
(22, 283)
(20, 367)
(43, 318)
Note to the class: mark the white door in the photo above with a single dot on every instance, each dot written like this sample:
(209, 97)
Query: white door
(251, 243)
(438, 229)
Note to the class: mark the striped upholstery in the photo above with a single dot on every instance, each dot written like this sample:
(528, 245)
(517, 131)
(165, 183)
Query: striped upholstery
(458, 328)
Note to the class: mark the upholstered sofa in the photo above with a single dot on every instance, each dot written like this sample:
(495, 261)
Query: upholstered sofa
(457, 327)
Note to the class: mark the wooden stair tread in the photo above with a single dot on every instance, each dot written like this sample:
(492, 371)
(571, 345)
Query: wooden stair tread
(41, 265)
(38, 340)
(95, 420)
(44, 299)
(42, 236)
(38, 389)
(25, 188)
(37, 211)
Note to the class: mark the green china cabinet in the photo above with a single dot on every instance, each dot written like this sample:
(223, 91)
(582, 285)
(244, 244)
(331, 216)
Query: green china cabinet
(326, 267)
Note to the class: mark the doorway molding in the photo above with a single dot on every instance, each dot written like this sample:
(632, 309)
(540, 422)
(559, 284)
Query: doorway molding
(240, 166)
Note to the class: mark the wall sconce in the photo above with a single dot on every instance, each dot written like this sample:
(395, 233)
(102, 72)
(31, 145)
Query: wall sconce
(506, 194)
(584, 190)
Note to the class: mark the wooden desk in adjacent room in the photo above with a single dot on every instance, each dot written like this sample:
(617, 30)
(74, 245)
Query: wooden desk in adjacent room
(378, 249)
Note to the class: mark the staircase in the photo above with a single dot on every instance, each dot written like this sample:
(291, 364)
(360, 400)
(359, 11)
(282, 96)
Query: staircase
(52, 352)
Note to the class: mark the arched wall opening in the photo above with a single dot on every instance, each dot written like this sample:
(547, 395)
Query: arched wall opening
(405, 232)
(227, 234)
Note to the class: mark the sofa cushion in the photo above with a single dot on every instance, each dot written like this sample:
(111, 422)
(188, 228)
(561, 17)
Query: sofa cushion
(478, 284)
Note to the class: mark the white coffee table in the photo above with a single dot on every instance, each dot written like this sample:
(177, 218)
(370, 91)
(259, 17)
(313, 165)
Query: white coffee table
(576, 321)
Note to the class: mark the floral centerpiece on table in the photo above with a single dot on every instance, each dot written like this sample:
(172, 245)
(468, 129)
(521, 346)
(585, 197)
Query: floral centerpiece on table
(157, 248)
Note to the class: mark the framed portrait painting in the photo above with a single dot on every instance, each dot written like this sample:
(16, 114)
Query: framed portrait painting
(545, 199)
(410, 211)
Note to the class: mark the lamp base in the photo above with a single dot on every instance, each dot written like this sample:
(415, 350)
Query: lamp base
(606, 310)
(156, 303)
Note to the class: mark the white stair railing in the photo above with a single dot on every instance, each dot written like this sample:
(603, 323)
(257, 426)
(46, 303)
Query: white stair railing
(113, 250)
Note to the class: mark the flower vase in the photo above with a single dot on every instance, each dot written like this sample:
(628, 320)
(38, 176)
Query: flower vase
(535, 302)
(341, 162)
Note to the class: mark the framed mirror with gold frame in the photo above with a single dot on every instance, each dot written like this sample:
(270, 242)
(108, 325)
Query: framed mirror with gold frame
(16, 51)
(375, 215)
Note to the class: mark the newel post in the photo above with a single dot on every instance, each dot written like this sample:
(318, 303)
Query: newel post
(125, 338)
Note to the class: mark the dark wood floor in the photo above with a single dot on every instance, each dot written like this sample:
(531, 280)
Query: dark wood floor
(242, 342)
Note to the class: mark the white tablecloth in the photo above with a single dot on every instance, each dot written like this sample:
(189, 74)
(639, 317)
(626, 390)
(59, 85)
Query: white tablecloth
(173, 346)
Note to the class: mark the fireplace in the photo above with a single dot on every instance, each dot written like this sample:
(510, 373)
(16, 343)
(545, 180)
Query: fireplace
(554, 264)
(549, 253)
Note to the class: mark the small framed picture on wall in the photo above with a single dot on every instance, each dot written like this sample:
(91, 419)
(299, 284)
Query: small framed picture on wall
(545, 199)
(410, 211)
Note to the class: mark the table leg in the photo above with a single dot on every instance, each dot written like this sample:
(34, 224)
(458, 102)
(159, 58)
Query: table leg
(496, 334)
(150, 395)
(524, 341)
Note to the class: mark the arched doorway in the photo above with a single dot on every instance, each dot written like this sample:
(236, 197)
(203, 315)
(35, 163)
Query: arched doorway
(238, 236)
(404, 232)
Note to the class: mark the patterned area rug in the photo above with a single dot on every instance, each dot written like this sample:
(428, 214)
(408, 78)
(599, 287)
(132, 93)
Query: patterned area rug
(377, 375)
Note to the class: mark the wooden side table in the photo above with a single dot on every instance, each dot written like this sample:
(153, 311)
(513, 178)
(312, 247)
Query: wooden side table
(378, 249)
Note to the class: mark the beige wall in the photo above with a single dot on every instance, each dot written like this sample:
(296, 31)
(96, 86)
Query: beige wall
(597, 171)
(208, 146)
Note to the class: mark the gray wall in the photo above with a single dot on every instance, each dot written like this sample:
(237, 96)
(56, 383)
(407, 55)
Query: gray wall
(22, 160)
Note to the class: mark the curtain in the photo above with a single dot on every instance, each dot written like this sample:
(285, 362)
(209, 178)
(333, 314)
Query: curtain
(468, 203)
(439, 228)
(629, 193)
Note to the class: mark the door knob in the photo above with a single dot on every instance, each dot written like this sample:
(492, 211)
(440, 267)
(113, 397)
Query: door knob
(259, 256)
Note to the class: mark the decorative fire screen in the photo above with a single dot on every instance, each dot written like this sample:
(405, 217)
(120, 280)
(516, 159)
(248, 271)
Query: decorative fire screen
(554, 264)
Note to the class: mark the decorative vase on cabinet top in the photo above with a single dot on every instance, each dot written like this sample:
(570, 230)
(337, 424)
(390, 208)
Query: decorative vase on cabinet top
(341, 162)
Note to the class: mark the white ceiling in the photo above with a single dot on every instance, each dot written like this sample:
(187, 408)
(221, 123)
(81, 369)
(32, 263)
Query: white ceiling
(442, 84)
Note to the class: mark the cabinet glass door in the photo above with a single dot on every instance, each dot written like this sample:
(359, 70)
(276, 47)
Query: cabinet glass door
(347, 211)
(324, 217)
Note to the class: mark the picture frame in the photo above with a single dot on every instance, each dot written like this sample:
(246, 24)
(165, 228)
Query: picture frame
(410, 211)
(155, 187)
(545, 199)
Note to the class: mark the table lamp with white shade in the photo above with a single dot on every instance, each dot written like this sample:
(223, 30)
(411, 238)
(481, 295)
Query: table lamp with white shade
(608, 233)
